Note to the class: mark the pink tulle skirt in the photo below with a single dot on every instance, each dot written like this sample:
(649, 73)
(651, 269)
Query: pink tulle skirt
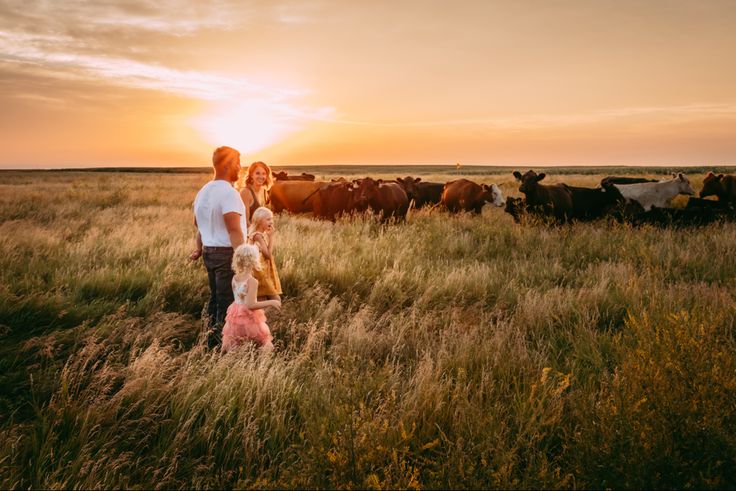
(242, 325)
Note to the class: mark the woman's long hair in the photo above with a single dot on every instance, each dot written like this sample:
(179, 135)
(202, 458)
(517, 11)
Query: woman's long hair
(252, 168)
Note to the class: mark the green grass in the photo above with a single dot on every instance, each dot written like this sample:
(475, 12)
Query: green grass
(444, 352)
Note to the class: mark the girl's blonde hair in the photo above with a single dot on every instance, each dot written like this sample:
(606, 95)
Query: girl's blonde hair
(246, 258)
(252, 168)
(259, 214)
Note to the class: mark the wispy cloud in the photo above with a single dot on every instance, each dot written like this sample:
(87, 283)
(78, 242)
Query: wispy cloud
(536, 121)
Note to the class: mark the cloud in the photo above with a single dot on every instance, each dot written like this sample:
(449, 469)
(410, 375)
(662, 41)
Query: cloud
(538, 121)
(121, 44)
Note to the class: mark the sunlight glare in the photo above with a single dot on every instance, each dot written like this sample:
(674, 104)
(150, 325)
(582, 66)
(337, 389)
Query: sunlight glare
(248, 126)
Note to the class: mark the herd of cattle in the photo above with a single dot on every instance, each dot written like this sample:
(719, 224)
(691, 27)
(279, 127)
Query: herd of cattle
(632, 199)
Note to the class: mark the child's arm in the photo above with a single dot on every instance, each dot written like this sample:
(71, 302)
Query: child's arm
(261, 242)
(251, 299)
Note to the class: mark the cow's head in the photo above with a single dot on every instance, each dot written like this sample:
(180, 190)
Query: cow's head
(492, 194)
(516, 208)
(529, 180)
(281, 176)
(712, 185)
(367, 188)
(684, 186)
(410, 185)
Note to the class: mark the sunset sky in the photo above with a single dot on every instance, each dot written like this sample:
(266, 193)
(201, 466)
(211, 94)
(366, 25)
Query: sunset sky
(514, 82)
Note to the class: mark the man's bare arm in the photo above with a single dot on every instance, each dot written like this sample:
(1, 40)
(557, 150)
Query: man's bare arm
(232, 223)
(197, 253)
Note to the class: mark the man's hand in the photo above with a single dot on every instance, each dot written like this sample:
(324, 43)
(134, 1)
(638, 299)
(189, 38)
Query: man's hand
(195, 255)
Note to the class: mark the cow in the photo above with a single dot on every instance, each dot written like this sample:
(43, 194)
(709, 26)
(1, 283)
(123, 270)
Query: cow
(387, 199)
(284, 176)
(516, 207)
(677, 217)
(465, 195)
(593, 203)
(607, 181)
(422, 193)
(658, 194)
(333, 199)
(722, 186)
(553, 199)
(290, 195)
(704, 203)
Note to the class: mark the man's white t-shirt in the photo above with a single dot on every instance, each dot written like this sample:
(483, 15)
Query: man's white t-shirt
(214, 200)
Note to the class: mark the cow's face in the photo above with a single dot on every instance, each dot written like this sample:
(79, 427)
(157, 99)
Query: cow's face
(410, 185)
(711, 185)
(528, 181)
(515, 207)
(684, 185)
(367, 189)
(492, 194)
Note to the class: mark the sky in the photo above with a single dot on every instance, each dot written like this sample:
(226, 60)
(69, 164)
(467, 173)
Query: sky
(306, 82)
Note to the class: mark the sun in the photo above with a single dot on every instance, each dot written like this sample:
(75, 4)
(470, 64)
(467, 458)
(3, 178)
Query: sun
(248, 126)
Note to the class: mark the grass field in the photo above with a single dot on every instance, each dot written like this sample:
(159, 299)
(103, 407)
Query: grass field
(444, 352)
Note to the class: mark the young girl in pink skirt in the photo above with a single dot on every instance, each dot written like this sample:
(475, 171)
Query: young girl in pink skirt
(245, 319)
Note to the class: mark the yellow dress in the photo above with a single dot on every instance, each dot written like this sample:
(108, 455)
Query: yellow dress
(268, 277)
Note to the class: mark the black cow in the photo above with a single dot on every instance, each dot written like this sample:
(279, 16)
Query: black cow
(593, 203)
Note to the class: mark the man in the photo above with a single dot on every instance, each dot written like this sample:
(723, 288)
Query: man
(219, 215)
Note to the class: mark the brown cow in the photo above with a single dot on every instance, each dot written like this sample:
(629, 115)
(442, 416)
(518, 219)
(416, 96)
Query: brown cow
(465, 195)
(333, 199)
(387, 199)
(719, 185)
(284, 176)
(423, 193)
(290, 195)
(555, 199)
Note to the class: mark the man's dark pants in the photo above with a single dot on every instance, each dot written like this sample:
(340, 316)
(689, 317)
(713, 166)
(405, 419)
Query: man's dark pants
(218, 262)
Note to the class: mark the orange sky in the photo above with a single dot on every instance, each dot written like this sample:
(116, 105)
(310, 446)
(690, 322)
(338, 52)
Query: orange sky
(515, 82)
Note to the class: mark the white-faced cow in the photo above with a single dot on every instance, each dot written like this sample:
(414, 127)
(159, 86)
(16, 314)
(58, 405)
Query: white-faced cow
(466, 195)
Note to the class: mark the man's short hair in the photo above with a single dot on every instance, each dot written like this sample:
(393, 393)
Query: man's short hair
(223, 155)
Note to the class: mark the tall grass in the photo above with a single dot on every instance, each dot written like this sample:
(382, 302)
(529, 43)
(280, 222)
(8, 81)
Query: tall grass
(443, 352)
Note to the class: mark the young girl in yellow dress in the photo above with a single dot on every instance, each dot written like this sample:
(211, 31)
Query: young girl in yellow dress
(260, 234)
(245, 319)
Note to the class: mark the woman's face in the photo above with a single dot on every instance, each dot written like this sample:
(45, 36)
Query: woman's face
(259, 176)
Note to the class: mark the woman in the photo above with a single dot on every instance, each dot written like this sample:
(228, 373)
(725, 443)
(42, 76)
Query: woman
(257, 184)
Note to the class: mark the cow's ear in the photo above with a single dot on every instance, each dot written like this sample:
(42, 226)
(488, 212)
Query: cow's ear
(541, 176)
(682, 178)
(485, 187)
(517, 175)
(720, 176)
(399, 180)
(417, 179)
(710, 174)
(379, 181)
